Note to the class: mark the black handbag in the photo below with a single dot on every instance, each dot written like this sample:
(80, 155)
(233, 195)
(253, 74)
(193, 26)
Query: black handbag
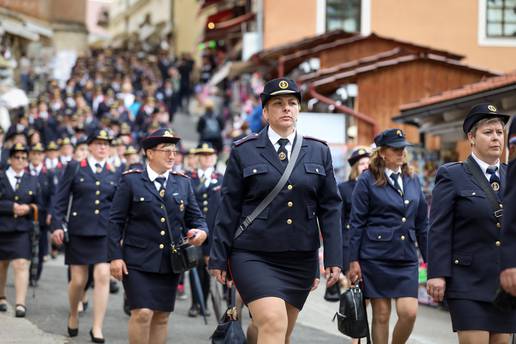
(184, 257)
(332, 294)
(352, 316)
(229, 330)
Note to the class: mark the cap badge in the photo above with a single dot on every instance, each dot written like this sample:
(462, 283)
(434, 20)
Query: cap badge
(19, 146)
(103, 134)
(399, 133)
(167, 133)
(361, 151)
(491, 108)
(283, 84)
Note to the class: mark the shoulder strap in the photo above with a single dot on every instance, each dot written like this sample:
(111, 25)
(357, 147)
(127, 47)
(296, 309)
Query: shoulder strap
(475, 170)
(281, 183)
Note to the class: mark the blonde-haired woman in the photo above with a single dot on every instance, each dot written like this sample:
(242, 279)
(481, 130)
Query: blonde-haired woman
(388, 217)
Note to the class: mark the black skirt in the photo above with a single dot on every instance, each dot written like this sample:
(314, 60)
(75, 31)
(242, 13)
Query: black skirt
(286, 275)
(471, 315)
(151, 290)
(86, 250)
(15, 245)
(389, 279)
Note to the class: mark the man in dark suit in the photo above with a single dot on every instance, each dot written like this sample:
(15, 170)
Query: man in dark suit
(508, 275)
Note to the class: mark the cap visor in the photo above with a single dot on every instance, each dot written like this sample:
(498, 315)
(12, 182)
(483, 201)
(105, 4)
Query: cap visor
(399, 144)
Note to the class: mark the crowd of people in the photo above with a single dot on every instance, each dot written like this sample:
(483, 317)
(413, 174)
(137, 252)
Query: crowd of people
(96, 164)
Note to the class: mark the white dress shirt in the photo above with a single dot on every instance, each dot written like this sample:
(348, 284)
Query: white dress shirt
(207, 174)
(153, 175)
(274, 137)
(92, 161)
(11, 176)
(484, 165)
(35, 170)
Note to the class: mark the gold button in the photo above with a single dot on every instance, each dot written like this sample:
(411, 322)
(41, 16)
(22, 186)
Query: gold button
(289, 222)
(255, 170)
(97, 182)
(407, 201)
(74, 213)
(379, 236)
(473, 193)
(290, 187)
(205, 209)
(403, 219)
(142, 199)
(205, 195)
(290, 204)
(498, 243)
(402, 237)
(501, 205)
(348, 226)
(16, 198)
(498, 225)
(97, 192)
(97, 211)
(456, 261)
(161, 246)
(205, 203)
(97, 201)
(317, 170)
(82, 179)
(162, 206)
(30, 192)
(162, 219)
(162, 233)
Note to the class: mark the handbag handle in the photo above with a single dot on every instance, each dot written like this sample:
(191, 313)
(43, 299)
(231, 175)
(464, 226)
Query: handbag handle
(275, 191)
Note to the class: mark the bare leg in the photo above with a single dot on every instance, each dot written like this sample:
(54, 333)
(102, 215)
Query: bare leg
(101, 275)
(381, 315)
(499, 338)
(139, 326)
(473, 337)
(271, 319)
(406, 308)
(4, 265)
(78, 278)
(159, 328)
(292, 313)
(21, 279)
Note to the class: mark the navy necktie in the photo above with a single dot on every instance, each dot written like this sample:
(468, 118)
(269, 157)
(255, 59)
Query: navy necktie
(98, 168)
(494, 180)
(161, 181)
(282, 151)
(394, 177)
(18, 181)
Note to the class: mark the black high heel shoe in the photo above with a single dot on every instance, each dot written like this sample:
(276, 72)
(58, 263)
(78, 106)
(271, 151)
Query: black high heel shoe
(96, 339)
(72, 332)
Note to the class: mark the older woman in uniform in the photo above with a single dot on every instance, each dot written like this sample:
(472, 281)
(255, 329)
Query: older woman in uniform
(153, 210)
(465, 244)
(87, 187)
(274, 262)
(388, 217)
(18, 190)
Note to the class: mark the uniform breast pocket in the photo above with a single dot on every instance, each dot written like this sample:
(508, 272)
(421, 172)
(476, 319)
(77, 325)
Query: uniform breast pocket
(255, 170)
(315, 169)
(142, 203)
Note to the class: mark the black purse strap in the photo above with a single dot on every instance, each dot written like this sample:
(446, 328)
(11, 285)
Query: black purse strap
(471, 165)
(275, 191)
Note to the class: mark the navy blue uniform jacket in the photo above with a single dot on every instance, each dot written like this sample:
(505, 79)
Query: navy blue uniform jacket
(139, 217)
(29, 192)
(464, 238)
(346, 192)
(290, 222)
(386, 225)
(509, 219)
(92, 197)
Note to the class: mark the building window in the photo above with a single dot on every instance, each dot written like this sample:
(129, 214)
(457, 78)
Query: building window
(501, 18)
(344, 15)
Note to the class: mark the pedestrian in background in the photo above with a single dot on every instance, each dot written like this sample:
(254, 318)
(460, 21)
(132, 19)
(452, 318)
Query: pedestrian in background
(153, 209)
(210, 127)
(87, 189)
(274, 263)
(465, 233)
(388, 218)
(18, 191)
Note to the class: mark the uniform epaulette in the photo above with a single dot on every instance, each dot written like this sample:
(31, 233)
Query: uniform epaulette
(315, 139)
(177, 173)
(247, 138)
(132, 171)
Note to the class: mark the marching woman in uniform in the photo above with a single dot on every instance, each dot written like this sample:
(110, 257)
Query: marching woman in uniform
(18, 191)
(83, 201)
(359, 162)
(152, 211)
(274, 263)
(465, 244)
(388, 217)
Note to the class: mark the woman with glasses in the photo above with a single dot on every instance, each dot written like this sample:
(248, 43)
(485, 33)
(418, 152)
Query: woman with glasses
(19, 193)
(82, 204)
(153, 209)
